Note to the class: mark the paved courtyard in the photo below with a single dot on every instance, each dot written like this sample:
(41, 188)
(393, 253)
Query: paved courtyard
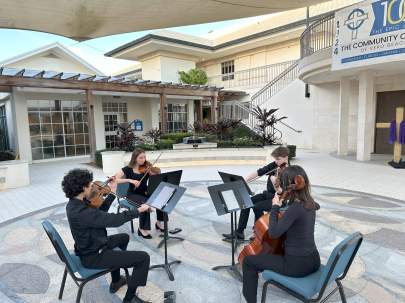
(31, 272)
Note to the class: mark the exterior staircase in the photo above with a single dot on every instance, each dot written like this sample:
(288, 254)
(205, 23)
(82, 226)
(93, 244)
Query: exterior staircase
(243, 110)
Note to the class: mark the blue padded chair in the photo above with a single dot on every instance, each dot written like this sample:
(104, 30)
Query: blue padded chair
(312, 287)
(122, 190)
(72, 263)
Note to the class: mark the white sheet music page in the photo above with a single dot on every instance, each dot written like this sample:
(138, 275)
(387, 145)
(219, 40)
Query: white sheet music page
(164, 196)
(230, 199)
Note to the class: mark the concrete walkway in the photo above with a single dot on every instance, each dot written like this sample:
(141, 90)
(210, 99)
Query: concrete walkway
(374, 177)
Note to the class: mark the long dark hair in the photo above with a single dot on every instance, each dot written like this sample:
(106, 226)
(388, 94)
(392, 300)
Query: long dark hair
(303, 195)
(135, 155)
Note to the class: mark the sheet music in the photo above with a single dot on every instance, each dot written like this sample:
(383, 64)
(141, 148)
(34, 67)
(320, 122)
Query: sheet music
(164, 196)
(230, 199)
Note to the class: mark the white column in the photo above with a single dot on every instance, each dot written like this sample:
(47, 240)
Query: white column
(21, 126)
(190, 114)
(343, 132)
(364, 119)
(154, 111)
(99, 122)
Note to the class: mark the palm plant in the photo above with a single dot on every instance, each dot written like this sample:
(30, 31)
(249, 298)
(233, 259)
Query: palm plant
(266, 125)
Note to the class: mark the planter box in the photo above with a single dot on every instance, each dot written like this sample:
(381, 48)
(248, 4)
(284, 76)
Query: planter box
(112, 161)
(14, 173)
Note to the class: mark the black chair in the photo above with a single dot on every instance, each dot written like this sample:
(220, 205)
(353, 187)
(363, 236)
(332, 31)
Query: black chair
(80, 274)
(312, 287)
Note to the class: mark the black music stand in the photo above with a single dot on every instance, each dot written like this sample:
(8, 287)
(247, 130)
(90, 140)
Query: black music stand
(227, 178)
(228, 198)
(172, 177)
(165, 198)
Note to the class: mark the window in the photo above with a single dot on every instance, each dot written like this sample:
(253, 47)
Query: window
(58, 128)
(176, 117)
(228, 70)
(114, 113)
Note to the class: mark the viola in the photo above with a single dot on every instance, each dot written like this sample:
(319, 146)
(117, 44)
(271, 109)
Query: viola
(262, 242)
(100, 190)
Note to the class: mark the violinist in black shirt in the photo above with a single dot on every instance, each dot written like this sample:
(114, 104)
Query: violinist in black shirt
(297, 223)
(262, 201)
(92, 244)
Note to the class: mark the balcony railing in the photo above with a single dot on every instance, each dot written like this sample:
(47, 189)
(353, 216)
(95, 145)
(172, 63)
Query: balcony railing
(250, 78)
(318, 36)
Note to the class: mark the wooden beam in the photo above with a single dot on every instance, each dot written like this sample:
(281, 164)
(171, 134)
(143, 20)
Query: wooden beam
(399, 117)
(57, 76)
(39, 75)
(103, 86)
(163, 113)
(383, 125)
(20, 73)
(90, 123)
(5, 89)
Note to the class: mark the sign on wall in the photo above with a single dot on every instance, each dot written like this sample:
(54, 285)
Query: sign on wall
(138, 125)
(369, 32)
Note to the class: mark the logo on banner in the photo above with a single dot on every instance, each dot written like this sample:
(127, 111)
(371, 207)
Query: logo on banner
(356, 19)
(389, 16)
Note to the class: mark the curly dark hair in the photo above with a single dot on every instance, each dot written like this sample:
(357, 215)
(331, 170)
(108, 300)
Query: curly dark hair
(74, 181)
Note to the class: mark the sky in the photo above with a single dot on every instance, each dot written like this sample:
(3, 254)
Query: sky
(15, 42)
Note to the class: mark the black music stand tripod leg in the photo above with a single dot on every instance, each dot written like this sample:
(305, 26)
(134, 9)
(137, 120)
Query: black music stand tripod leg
(233, 268)
(167, 264)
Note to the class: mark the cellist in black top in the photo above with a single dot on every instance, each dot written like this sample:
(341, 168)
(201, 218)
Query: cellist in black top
(262, 201)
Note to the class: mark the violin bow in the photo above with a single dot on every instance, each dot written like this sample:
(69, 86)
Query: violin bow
(150, 167)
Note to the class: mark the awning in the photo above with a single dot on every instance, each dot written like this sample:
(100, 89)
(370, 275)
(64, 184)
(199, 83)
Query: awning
(87, 19)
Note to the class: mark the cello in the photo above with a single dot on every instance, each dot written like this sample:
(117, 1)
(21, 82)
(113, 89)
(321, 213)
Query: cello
(262, 242)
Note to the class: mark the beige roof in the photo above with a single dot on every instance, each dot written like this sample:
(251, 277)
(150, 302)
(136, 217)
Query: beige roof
(262, 23)
(79, 19)
(252, 32)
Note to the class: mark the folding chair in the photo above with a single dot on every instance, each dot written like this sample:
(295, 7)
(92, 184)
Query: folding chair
(73, 266)
(122, 191)
(306, 288)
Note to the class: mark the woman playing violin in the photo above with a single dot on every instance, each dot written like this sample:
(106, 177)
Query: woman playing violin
(301, 255)
(137, 174)
(262, 201)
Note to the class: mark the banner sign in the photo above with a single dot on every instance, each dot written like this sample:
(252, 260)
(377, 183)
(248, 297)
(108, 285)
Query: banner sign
(369, 32)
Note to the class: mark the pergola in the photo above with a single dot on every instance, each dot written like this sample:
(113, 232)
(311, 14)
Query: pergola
(11, 77)
(87, 19)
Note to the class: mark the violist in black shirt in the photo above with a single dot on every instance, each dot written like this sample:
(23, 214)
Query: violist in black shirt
(92, 244)
(262, 201)
(137, 190)
(301, 255)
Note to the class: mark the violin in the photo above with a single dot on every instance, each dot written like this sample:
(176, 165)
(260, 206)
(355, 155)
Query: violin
(100, 190)
(148, 167)
(262, 242)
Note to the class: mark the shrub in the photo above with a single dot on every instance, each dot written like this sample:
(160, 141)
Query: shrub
(176, 137)
(224, 144)
(6, 156)
(245, 142)
(147, 146)
(243, 131)
(165, 144)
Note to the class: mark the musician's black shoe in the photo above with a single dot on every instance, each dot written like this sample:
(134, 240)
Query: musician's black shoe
(135, 299)
(159, 229)
(114, 287)
(145, 237)
(239, 236)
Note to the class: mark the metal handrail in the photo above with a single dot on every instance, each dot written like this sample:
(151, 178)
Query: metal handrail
(253, 77)
(318, 36)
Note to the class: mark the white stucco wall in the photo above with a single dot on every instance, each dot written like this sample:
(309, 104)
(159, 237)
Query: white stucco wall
(292, 103)
(325, 116)
(163, 68)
